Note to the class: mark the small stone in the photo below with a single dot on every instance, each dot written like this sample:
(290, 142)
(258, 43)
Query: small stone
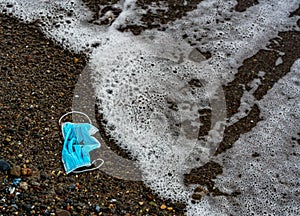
(15, 206)
(34, 183)
(59, 190)
(29, 172)
(27, 207)
(70, 179)
(3, 200)
(197, 196)
(111, 206)
(200, 189)
(170, 208)
(68, 207)
(4, 166)
(97, 208)
(141, 203)
(149, 197)
(72, 187)
(152, 203)
(24, 185)
(16, 182)
(27, 161)
(15, 171)
(24, 171)
(76, 60)
(61, 212)
(11, 189)
(163, 207)
(113, 200)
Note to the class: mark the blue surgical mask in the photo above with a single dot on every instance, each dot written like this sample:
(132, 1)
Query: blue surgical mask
(78, 143)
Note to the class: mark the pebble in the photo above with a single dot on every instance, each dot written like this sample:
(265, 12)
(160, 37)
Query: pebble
(163, 207)
(29, 172)
(24, 185)
(152, 203)
(15, 206)
(141, 203)
(149, 197)
(34, 183)
(27, 207)
(11, 189)
(4, 166)
(59, 190)
(61, 212)
(70, 179)
(15, 171)
(111, 206)
(97, 208)
(24, 171)
(16, 181)
(113, 200)
(72, 187)
(68, 207)
(76, 60)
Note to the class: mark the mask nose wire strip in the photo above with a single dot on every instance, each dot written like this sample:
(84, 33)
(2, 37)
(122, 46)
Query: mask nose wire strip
(68, 113)
(97, 167)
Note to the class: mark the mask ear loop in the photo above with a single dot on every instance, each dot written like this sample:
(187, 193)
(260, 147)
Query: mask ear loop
(68, 113)
(97, 167)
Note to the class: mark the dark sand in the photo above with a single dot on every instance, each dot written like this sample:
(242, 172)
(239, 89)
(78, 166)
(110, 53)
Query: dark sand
(37, 79)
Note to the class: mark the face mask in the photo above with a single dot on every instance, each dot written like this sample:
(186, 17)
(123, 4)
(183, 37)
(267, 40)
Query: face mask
(78, 143)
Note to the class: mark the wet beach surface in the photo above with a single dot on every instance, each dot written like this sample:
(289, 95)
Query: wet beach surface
(37, 79)
(37, 83)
